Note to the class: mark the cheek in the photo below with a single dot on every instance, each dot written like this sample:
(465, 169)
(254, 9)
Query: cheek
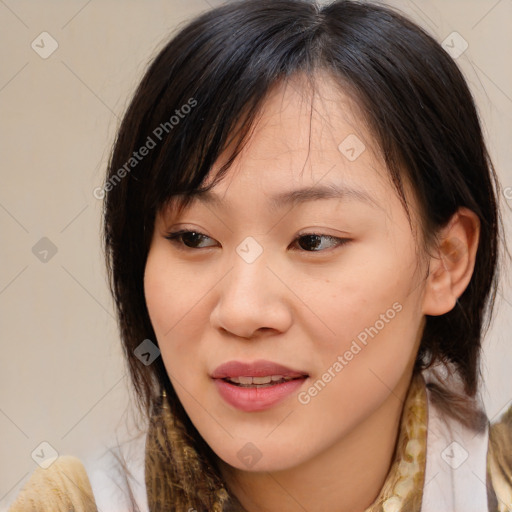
(177, 306)
(365, 285)
(166, 300)
(374, 347)
(374, 321)
(171, 295)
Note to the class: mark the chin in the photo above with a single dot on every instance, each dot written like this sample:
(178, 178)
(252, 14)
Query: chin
(260, 457)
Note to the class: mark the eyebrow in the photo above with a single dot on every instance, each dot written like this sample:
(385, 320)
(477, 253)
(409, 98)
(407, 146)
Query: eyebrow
(297, 196)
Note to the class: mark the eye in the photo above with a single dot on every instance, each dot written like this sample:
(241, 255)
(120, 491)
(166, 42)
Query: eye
(189, 239)
(308, 242)
(312, 242)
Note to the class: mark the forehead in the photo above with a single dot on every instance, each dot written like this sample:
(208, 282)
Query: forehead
(309, 133)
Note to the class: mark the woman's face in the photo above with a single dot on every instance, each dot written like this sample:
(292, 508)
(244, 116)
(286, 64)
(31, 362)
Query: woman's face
(328, 285)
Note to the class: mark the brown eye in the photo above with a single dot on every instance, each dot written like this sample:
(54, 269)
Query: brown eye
(312, 242)
(188, 239)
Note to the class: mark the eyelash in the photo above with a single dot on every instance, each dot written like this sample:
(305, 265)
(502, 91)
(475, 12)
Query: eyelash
(176, 236)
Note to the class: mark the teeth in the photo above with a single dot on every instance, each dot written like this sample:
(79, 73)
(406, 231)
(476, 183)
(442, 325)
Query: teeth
(258, 380)
(262, 380)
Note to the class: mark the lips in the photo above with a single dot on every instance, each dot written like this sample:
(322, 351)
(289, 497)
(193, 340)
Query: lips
(256, 386)
(260, 368)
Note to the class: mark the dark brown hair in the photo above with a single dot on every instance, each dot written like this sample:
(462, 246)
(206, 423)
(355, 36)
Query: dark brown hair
(222, 65)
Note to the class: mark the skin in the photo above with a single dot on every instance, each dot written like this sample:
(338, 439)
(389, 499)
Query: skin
(302, 308)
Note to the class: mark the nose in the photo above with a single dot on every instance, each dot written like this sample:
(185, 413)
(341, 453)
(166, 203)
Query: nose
(252, 299)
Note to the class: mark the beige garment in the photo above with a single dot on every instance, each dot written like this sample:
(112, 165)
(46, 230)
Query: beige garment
(499, 461)
(63, 487)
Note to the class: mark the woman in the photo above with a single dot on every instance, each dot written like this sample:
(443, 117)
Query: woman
(301, 214)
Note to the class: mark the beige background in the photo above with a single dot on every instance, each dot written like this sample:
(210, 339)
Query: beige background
(61, 373)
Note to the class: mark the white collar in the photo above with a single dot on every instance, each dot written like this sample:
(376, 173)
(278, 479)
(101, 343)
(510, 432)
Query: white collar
(456, 469)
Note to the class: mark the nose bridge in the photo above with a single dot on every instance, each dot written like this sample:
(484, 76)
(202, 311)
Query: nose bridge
(250, 297)
(249, 270)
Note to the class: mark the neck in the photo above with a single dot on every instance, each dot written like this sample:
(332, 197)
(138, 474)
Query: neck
(347, 477)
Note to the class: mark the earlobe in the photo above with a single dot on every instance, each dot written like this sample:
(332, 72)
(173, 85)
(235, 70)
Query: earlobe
(452, 262)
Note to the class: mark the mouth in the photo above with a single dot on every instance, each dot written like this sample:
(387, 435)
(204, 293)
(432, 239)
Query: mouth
(258, 372)
(257, 385)
(260, 382)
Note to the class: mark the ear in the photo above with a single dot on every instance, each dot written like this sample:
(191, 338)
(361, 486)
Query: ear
(452, 262)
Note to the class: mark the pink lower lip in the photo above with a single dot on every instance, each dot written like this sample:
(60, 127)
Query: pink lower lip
(256, 399)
